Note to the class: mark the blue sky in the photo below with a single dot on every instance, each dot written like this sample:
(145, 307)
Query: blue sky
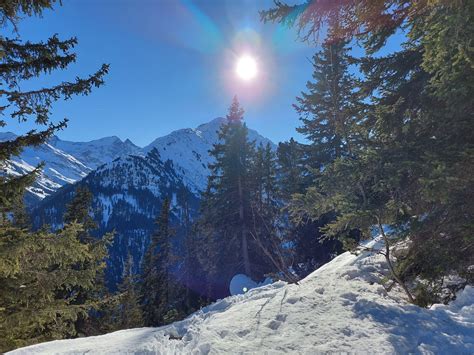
(172, 66)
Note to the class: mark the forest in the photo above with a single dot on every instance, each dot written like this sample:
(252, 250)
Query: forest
(388, 152)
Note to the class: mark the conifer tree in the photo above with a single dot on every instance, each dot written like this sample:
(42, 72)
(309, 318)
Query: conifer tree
(265, 226)
(157, 280)
(293, 175)
(21, 219)
(330, 112)
(22, 61)
(37, 273)
(330, 108)
(411, 167)
(128, 313)
(78, 211)
(37, 269)
(225, 210)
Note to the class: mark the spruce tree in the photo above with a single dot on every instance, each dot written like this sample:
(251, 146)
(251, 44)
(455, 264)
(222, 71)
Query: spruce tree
(79, 211)
(265, 218)
(225, 210)
(330, 108)
(21, 61)
(293, 175)
(330, 112)
(158, 287)
(37, 273)
(127, 312)
(37, 269)
(20, 216)
(411, 167)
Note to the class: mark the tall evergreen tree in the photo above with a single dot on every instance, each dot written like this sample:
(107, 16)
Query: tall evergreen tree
(226, 212)
(127, 313)
(410, 172)
(330, 112)
(37, 270)
(158, 287)
(79, 211)
(331, 107)
(265, 223)
(238, 228)
(293, 174)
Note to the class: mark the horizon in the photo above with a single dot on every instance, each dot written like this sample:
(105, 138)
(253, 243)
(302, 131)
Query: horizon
(147, 144)
(174, 74)
(257, 176)
(199, 40)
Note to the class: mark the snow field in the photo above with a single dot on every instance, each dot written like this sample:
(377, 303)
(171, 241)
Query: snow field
(341, 307)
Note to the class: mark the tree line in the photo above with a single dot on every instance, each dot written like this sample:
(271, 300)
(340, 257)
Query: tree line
(390, 151)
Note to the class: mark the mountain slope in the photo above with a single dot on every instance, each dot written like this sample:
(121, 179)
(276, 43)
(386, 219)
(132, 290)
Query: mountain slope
(65, 162)
(128, 191)
(340, 307)
(128, 194)
(97, 152)
(189, 150)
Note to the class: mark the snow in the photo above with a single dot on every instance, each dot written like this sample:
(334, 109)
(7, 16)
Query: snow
(67, 162)
(188, 149)
(341, 307)
(241, 284)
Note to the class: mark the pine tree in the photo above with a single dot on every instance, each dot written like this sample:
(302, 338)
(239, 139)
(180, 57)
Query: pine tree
(78, 211)
(127, 312)
(37, 269)
(158, 288)
(37, 273)
(225, 210)
(411, 167)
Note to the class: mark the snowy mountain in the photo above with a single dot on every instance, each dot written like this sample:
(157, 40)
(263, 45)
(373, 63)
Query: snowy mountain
(65, 162)
(128, 194)
(128, 190)
(188, 149)
(97, 152)
(341, 307)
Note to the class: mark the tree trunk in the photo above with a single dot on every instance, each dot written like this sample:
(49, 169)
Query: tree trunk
(390, 266)
(243, 230)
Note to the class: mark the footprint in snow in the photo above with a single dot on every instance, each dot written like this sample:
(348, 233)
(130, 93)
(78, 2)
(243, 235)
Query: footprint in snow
(243, 333)
(348, 298)
(293, 300)
(277, 322)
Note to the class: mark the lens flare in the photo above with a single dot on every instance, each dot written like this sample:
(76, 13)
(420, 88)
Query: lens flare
(246, 68)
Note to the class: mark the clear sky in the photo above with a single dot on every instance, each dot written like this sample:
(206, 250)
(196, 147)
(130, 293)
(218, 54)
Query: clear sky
(173, 66)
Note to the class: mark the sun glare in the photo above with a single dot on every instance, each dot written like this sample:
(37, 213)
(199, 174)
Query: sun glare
(246, 68)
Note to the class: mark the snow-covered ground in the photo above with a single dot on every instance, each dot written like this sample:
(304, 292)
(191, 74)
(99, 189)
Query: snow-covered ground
(341, 307)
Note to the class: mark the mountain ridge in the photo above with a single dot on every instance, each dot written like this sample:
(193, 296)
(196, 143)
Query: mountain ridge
(68, 162)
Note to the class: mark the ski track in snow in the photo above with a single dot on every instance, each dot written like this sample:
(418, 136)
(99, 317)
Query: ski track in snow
(341, 307)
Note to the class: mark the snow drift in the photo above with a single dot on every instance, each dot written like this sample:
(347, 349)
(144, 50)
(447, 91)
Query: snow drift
(340, 307)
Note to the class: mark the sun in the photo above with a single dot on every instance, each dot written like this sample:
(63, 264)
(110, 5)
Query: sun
(246, 68)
